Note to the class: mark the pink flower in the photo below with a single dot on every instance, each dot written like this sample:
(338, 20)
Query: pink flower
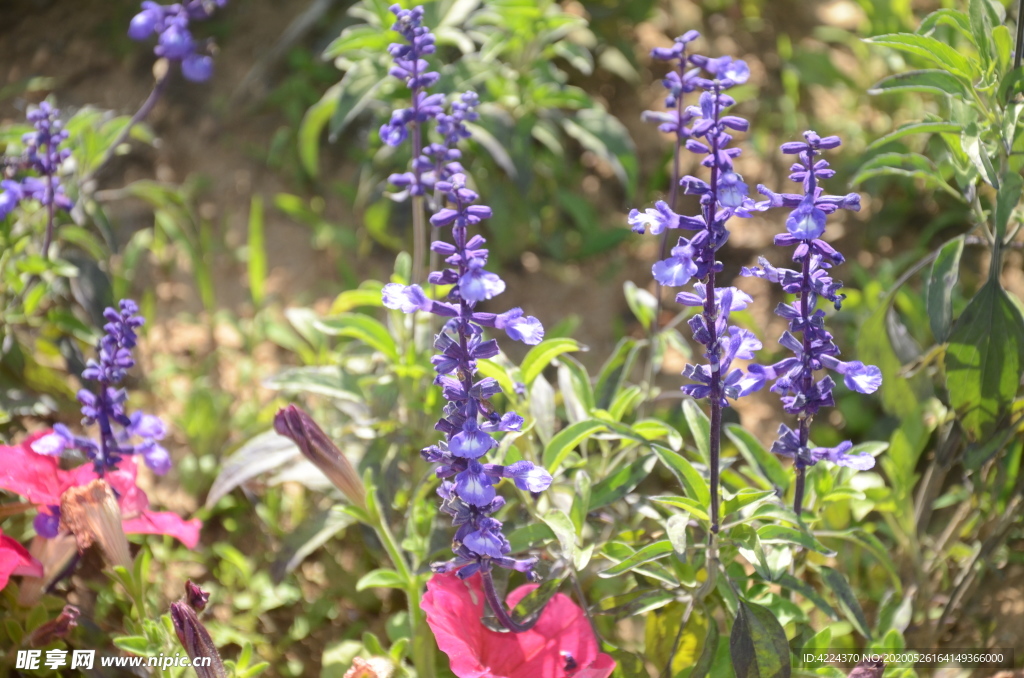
(39, 478)
(561, 645)
(15, 560)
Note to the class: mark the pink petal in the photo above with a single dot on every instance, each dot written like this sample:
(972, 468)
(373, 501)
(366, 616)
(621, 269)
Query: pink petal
(454, 608)
(38, 477)
(132, 500)
(165, 522)
(16, 560)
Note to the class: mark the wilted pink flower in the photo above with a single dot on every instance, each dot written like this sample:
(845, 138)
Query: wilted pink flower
(562, 642)
(39, 478)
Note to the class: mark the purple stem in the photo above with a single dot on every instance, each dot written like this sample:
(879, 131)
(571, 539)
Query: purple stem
(710, 318)
(499, 607)
(806, 293)
(418, 223)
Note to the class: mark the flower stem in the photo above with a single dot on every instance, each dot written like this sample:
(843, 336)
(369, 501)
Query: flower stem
(499, 607)
(711, 322)
(422, 638)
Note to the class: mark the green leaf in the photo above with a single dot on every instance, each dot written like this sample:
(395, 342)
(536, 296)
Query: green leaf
(137, 645)
(561, 524)
(790, 582)
(941, 281)
(362, 327)
(364, 37)
(622, 482)
(947, 17)
(1006, 201)
(901, 395)
(758, 644)
(981, 29)
(970, 140)
(602, 134)
(700, 428)
(781, 534)
(707, 656)
(614, 371)
(541, 355)
(925, 81)
(381, 579)
(984, 360)
(357, 90)
(848, 602)
(913, 128)
(661, 633)
(257, 251)
(567, 440)
(641, 302)
(928, 48)
(655, 551)
(312, 125)
(692, 481)
(755, 454)
(691, 506)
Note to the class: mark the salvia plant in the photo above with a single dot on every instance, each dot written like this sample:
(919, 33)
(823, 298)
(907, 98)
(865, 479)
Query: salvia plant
(539, 520)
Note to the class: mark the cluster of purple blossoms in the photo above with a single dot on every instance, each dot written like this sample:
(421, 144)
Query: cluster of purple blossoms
(704, 129)
(814, 350)
(437, 161)
(120, 433)
(175, 41)
(469, 419)
(43, 155)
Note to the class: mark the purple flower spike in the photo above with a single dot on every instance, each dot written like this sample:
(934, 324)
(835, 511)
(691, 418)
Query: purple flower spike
(801, 392)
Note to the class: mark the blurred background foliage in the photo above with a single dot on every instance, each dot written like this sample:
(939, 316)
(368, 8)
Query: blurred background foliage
(252, 208)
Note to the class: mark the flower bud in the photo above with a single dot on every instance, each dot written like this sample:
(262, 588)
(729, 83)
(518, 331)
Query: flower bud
(195, 596)
(293, 423)
(196, 640)
(90, 512)
(374, 667)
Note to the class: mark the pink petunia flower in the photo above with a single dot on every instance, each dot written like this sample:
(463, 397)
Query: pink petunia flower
(16, 560)
(39, 478)
(560, 645)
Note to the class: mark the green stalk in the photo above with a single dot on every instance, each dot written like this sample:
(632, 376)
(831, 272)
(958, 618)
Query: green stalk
(422, 638)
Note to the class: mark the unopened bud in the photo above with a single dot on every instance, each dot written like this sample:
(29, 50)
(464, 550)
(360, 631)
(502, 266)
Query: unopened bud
(90, 512)
(195, 596)
(55, 628)
(196, 640)
(293, 423)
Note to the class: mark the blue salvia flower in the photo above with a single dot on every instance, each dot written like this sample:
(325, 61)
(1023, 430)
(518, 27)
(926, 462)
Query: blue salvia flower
(812, 345)
(120, 433)
(470, 421)
(43, 155)
(175, 41)
(413, 69)
(705, 129)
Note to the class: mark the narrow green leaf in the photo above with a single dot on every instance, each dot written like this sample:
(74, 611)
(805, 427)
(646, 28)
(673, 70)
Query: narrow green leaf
(655, 551)
(561, 524)
(755, 454)
(363, 328)
(974, 147)
(662, 631)
(567, 440)
(137, 645)
(780, 534)
(1006, 201)
(541, 355)
(758, 644)
(356, 38)
(984, 360)
(312, 125)
(790, 582)
(913, 128)
(925, 81)
(622, 482)
(700, 428)
(381, 579)
(691, 506)
(357, 90)
(614, 371)
(692, 481)
(928, 48)
(848, 602)
(257, 251)
(641, 302)
(941, 281)
(901, 395)
(981, 29)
